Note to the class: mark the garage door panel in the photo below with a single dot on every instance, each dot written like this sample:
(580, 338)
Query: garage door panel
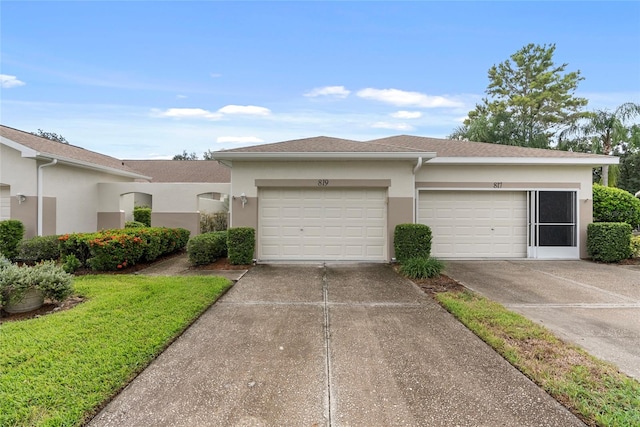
(319, 224)
(475, 224)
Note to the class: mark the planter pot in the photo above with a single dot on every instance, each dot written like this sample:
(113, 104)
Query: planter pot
(32, 300)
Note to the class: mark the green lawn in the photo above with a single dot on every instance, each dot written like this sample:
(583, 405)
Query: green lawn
(57, 370)
(592, 389)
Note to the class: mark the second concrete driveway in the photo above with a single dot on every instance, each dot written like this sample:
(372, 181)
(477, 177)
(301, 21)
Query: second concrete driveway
(595, 306)
(330, 346)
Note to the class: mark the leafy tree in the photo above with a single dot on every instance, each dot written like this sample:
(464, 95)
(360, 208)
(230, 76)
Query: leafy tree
(629, 178)
(50, 135)
(608, 131)
(207, 155)
(529, 100)
(186, 156)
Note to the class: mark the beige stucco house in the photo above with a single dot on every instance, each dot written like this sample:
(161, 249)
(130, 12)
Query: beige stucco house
(334, 199)
(56, 188)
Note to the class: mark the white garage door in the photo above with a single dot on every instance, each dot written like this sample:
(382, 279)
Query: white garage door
(5, 203)
(322, 224)
(475, 224)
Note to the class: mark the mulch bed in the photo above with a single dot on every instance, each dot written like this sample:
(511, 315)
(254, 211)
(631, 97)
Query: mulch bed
(220, 264)
(48, 308)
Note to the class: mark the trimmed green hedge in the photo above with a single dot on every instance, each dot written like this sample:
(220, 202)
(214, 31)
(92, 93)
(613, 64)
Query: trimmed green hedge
(117, 249)
(635, 247)
(11, 232)
(142, 214)
(134, 224)
(609, 241)
(615, 205)
(412, 241)
(241, 244)
(207, 247)
(39, 248)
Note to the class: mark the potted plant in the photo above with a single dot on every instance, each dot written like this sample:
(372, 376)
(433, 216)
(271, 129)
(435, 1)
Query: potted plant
(24, 288)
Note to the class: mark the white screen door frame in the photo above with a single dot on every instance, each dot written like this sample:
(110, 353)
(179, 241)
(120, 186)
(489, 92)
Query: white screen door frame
(552, 219)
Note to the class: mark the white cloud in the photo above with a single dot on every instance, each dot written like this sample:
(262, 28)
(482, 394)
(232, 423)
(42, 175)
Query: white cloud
(401, 98)
(199, 113)
(7, 81)
(215, 75)
(239, 140)
(406, 114)
(188, 113)
(245, 109)
(335, 91)
(181, 96)
(394, 126)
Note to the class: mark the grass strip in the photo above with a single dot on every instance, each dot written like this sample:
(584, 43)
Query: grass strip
(59, 369)
(593, 390)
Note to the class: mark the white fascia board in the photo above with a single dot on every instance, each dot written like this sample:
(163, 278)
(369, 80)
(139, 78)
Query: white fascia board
(33, 154)
(253, 156)
(92, 166)
(597, 161)
(23, 149)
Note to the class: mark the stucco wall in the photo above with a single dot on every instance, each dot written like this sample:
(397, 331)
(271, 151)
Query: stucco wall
(244, 174)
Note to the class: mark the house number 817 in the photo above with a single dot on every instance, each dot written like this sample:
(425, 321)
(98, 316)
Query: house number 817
(323, 182)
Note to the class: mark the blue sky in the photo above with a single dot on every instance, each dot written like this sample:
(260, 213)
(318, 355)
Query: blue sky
(142, 80)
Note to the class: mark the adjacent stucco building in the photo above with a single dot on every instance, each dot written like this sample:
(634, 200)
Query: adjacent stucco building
(56, 188)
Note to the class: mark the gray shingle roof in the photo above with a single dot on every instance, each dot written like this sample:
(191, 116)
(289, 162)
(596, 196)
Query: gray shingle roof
(48, 148)
(319, 144)
(455, 148)
(181, 170)
(407, 144)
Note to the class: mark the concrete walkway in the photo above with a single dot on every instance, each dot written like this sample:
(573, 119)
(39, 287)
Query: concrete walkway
(595, 306)
(330, 345)
(179, 266)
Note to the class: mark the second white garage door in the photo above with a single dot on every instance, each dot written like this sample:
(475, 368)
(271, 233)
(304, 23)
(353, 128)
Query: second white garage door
(475, 224)
(322, 224)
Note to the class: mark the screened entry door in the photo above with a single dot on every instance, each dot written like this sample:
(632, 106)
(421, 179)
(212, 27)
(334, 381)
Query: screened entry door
(553, 228)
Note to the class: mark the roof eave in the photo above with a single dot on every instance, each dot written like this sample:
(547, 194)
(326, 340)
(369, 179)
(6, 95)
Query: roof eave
(579, 161)
(23, 149)
(30, 153)
(322, 156)
(91, 166)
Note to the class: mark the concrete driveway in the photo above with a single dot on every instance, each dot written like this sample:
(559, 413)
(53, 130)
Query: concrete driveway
(330, 345)
(595, 306)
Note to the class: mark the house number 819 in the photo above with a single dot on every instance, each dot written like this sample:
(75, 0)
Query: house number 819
(323, 182)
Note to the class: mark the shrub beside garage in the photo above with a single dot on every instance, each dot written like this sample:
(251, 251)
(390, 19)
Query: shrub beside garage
(615, 213)
(609, 241)
(207, 247)
(412, 245)
(241, 245)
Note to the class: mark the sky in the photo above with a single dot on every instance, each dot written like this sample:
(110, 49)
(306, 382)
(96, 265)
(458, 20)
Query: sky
(147, 80)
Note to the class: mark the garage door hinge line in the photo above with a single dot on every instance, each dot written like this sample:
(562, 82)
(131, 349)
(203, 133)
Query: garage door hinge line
(327, 336)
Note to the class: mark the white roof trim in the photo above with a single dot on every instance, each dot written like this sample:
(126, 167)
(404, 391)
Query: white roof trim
(92, 166)
(33, 154)
(350, 155)
(596, 161)
(23, 149)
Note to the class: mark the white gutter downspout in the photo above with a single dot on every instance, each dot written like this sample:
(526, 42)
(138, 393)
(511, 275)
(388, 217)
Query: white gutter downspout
(40, 190)
(415, 191)
(418, 166)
